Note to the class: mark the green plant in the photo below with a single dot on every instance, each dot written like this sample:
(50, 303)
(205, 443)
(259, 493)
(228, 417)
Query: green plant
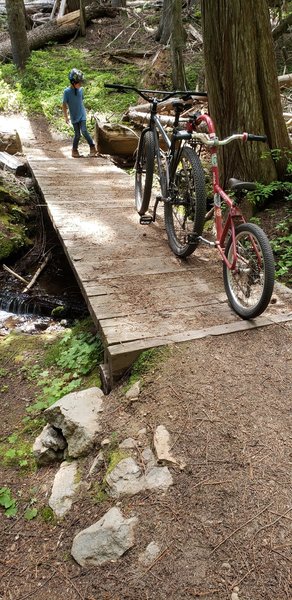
(17, 452)
(47, 514)
(264, 193)
(36, 91)
(71, 362)
(8, 502)
(282, 248)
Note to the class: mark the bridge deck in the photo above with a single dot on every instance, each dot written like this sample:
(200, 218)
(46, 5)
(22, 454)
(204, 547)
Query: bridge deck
(138, 293)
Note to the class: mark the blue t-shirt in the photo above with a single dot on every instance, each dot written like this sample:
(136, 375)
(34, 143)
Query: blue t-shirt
(73, 97)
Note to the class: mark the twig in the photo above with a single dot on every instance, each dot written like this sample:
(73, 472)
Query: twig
(15, 274)
(207, 593)
(37, 273)
(282, 555)
(38, 588)
(153, 563)
(273, 522)
(241, 527)
(71, 583)
(242, 578)
(121, 33)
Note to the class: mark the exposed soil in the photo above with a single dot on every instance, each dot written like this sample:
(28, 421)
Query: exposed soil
(226, 521)
(224, 527)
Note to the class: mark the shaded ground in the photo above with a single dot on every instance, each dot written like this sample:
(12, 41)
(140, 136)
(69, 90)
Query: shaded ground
(226, 521)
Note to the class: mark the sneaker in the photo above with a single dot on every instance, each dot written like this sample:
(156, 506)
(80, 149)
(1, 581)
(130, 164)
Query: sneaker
(75, 153)
(92, 151)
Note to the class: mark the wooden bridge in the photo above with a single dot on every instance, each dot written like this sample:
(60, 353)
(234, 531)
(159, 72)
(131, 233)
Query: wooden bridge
(138, 293)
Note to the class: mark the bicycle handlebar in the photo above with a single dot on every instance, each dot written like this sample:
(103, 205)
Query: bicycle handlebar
(212, 140)
(256, 138)
(185, 94)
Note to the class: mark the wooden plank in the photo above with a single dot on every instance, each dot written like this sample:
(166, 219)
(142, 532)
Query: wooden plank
(109, 306)
(164, 323)
(120, 356)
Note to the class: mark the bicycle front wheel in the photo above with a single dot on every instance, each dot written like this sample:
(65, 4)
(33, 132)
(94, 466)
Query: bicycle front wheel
(249, 286)
(144, 172)
(185, 208)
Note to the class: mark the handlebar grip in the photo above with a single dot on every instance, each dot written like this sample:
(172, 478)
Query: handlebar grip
(256, 138)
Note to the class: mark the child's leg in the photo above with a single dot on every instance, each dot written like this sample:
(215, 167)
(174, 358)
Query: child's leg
(86, 134)
(77, 135)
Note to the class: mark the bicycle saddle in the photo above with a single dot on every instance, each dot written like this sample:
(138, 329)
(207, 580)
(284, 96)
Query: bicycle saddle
(236, 185)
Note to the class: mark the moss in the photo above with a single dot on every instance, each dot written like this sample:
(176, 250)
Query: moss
(47, 514)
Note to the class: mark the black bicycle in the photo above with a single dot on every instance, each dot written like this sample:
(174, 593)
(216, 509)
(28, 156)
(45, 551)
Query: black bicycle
(168, 170)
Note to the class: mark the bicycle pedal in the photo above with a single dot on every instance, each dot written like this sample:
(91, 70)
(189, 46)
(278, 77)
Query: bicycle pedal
(146, 220)
(193, 238)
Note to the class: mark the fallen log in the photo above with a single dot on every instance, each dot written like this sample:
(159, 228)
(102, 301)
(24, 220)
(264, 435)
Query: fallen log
(14, 164)
(115, 139)
(285, 80)
(55, 30)
(166, 106)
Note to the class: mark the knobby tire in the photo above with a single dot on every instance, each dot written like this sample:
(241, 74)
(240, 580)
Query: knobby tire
(185, 207)
(250, 285)
(144, 172)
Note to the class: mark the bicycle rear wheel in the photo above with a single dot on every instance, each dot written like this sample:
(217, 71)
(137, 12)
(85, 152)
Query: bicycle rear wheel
(185, 209)
(144, 171)
(250, 285)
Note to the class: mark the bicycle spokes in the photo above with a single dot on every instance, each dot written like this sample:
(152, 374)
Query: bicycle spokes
(249, 283)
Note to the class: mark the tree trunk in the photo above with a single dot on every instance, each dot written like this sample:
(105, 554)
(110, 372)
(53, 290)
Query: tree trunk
(82, 18)
(16, 25)
(164, 29)
(55, 30)
(243, 87)
(177, 44)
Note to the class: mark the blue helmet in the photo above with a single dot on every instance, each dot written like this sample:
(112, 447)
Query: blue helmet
(76, 76)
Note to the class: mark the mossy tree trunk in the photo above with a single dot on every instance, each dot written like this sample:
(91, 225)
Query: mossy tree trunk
(16, 25)
(242, 86)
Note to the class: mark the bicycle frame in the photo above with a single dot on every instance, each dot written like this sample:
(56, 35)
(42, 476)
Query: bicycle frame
(173, 144)
(234, 211)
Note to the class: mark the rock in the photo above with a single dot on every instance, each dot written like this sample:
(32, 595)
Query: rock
(158, 478)
(10, 141)
(64, 489)
(134, 391)
(49, 446)
(105, 540)
(151, 552)
(129, 443)
(78, 416)
(162, 445)
(97, 463)
(125, 478)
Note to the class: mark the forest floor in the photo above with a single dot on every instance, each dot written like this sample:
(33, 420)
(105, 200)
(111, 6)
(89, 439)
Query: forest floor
(225, 526)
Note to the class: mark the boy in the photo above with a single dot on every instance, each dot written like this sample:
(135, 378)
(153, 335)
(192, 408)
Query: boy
(73, 100)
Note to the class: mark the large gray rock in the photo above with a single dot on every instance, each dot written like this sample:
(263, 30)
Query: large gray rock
(64, 489)
(78, 416)
(105, 540)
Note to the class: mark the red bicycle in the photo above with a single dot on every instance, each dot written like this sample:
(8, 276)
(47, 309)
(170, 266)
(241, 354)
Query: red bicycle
(248, 262)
